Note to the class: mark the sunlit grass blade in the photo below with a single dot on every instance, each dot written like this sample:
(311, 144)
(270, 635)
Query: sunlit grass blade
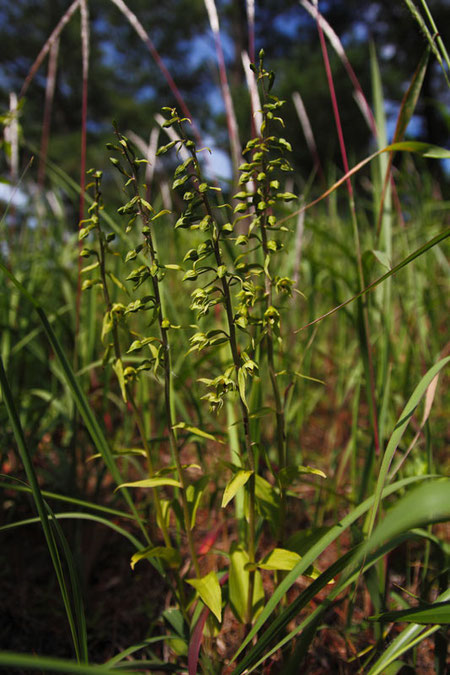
(69, 515)
(308, 559)
(428, 503)
(407, 108)
(422, 149)
(430, 38)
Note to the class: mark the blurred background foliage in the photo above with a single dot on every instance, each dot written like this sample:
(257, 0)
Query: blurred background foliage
(127, 85)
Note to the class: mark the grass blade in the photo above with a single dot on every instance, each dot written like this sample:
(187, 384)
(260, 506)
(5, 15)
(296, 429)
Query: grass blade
(311, 556)
(418, 252)
(79, 637)
(81, 401)
(398, 432)
(405, 641)
(428, 503)
(47, 663)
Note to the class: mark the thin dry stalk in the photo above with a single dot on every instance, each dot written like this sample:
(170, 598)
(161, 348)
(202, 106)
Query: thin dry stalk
(364, 312)
(340, 51)
(47, 46)
(140, 30)
(254, 95)
(12, 137)
(226, 94)
(49, 95)
(359, 95)
(250, 6)
(299, 232)
(308, 132)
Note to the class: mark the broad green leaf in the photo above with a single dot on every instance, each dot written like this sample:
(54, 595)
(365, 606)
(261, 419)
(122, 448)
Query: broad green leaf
(439, 613)
(196, 431)
(382, 258)
(241, 386)
(118, 369)
(426, 504)
(279, 559)
(150, 483)
(194, 493)
(169, 554)
(267, 501)
(238, 585)
(234, 484)
(291, 473)
(210, 592)
(309, 557)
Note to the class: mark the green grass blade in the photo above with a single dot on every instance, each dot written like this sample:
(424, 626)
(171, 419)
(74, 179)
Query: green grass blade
(405, 641)
(398, 432)
(81, 401)
(80, 649)
(75, 515)
(438, 613)
(49, 664)
(418, 252)
(429, 503)
(436, 33)
(311, 556)
(69, 500)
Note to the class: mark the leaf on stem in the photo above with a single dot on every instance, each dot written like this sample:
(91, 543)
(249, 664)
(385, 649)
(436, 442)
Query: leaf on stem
(210, 592)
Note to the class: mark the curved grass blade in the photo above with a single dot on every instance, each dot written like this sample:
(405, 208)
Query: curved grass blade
(78, 632)
(415, 254)
(62, 498)
(398, 432)
(438, 613)
(405, 641)
(423, 149)
(310, 557)
(81, 401)
(47, 663)
(429, 503)
(71, 515)
(407, 108)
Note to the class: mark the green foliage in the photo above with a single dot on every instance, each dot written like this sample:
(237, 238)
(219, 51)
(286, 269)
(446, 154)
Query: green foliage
(196, 325)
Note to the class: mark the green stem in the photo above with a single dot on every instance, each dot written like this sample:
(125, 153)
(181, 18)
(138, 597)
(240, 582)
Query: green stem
(215, 232)
(163, 329)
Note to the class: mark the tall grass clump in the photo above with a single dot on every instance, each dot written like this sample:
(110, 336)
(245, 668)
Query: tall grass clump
(242, 387)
